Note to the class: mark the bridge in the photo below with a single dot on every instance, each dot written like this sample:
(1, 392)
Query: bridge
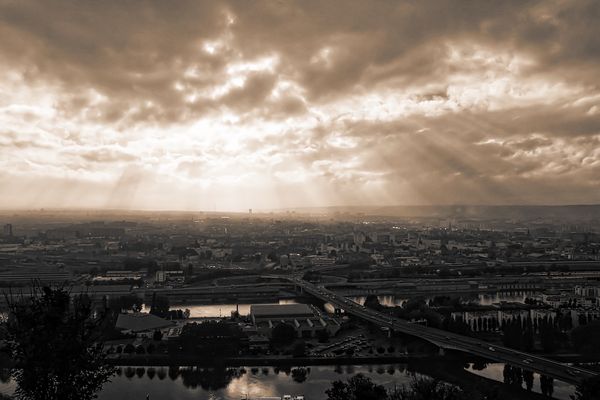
(447, 340)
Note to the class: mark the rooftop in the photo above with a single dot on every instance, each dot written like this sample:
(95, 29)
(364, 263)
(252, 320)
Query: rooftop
(280, 310)
(139, 322)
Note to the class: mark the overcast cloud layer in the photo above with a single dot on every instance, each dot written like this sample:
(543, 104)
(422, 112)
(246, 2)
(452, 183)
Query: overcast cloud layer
(247, 104)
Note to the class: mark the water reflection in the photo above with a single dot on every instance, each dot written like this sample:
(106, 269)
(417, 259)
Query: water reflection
(524, 379)
(225, 310)
(209, 379)
(131, 382)
(233, 383)
(484, 299)
(214, 310)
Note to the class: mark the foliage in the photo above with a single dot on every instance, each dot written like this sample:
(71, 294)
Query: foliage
(299, 349)
(586, 338)
(212, 339)
(312, 276)
(457, 326)
(129, 348)
(283, 334)
(160, 305)
(358, 387)
(299, 374)
(550, 336)
(528, 379)
(588, 389)
(157, 335)
(373, 303)
(136, 264)
(127, 302)
(55, 345)
(518, 334)
(323, 336)
(546, 385)
(427, 389)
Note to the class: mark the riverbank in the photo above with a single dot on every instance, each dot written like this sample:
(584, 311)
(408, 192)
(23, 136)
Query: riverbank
(181, 360)
(472, 383)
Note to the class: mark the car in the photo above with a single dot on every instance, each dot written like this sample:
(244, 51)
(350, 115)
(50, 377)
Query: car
(491, 348)
(526, 361)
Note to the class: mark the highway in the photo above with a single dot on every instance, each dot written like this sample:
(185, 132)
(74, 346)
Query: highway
(448, 340)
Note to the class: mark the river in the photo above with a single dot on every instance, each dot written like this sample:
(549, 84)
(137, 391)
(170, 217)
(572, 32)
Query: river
(132, 383)
(484, 299)
(224, 310)
(214, 310)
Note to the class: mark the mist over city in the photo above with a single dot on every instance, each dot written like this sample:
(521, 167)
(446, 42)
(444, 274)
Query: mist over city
(300, 200)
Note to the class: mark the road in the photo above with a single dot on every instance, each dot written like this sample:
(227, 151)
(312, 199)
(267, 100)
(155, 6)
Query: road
(448, 340)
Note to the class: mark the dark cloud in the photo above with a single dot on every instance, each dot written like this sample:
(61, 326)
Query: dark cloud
(134, 53)
(408, 101)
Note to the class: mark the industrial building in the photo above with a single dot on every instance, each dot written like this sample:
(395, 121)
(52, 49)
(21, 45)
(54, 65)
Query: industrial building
(306, 320)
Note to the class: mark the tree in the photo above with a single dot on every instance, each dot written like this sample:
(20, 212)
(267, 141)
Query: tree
(585, 338)
(323, 336)
(373, 303)
(55, 344)
(283, 334)
(588, 389)
(150, 348)
(211, 339)
(299, 349)
(127, 302)
(427, 389)
(157, 335)
(528, 378)
(546, 385)
(160, 305)
(549, 337)
(358, 387)
(129, 348)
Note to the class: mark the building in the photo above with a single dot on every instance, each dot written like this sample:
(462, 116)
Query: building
(24, 275)
(320, 261)
(8, 230)
(176, 276)
(116, 276)
(306, 320)
(141, 324)
(587, 291)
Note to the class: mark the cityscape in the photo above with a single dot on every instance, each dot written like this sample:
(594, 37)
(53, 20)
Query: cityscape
(299, 200)
(212, 302)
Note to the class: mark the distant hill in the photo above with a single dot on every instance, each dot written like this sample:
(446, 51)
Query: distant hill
(477, 212)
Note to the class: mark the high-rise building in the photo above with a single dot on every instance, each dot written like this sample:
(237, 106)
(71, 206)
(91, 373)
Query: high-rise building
(7, 231)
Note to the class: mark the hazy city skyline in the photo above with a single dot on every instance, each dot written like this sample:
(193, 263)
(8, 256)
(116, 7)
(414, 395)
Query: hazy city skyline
(264, 105)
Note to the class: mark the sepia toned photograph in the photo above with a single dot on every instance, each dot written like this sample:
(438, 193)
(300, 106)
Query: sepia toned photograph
(299, 199)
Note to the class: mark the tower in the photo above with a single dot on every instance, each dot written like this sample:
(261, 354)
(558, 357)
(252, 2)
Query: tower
(7, 231)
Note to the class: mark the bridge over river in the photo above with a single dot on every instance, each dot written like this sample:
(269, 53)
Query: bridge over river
(443, 339)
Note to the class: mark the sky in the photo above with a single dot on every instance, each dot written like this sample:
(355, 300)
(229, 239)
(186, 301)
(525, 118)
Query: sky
(205, 105)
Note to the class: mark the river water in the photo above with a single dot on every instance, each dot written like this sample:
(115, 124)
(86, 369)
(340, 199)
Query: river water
(484, 299)
(215, 310)
(263, 381)
(232, 384)
(132, 383)
(225, 310)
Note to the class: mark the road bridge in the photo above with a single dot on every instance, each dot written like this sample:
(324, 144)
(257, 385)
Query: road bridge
(447, 340)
